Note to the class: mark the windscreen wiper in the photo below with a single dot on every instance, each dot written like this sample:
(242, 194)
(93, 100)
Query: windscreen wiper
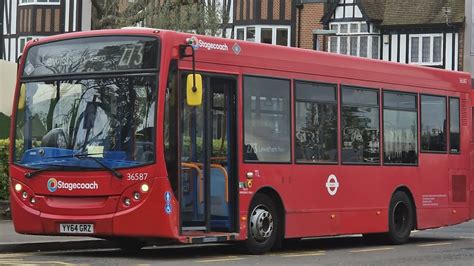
(88, 156)
(50, 167)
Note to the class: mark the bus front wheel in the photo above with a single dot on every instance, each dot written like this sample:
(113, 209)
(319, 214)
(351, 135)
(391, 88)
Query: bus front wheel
(263, 225)
(401, 218)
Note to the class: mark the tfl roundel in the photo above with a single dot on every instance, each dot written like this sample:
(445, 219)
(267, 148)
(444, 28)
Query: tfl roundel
(52, 184)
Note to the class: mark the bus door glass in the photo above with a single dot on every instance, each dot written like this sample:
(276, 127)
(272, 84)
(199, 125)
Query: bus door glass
(220, 167)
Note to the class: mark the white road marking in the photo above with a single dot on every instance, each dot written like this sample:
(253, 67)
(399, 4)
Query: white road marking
(370, 250)
(435, 244)
(304, 254)
(228, 258)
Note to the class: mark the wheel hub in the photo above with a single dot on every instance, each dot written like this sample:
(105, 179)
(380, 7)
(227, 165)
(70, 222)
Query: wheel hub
(401, 217)
(261, 223)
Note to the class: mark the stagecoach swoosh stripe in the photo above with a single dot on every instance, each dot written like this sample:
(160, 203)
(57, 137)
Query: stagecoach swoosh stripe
(370, 250)
(435, 244)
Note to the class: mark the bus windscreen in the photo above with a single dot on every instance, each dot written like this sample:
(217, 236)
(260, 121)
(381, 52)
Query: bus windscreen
(92, 54)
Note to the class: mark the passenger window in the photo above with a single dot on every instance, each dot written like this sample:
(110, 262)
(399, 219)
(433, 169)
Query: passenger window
(316, 123)
(360, 126)
(433, 123)
(266, 120)
(454, 126)
(400, 128)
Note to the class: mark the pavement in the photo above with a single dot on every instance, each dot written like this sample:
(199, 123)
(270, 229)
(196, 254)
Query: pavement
(10, 241)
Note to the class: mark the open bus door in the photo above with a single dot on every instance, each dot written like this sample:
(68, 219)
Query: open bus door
(207, 177)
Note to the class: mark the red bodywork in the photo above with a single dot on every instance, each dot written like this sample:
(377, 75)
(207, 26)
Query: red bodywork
(362, 199)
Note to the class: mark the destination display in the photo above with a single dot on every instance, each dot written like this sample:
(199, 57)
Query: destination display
(92, 54)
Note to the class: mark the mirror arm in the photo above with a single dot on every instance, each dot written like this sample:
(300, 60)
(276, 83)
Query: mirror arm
(183, 54)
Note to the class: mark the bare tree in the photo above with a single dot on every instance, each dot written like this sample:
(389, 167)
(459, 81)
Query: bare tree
(209, 17)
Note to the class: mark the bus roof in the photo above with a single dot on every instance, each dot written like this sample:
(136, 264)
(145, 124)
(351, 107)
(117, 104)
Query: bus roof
(288, 59)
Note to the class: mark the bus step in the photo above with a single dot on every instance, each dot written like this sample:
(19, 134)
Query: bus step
(194, 228)
(212, 237)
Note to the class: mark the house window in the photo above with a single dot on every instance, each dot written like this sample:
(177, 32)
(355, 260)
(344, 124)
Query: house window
(333, 44)
(282, 37)
(264, 34)
(343, 28)
(39, 2)
(23, 41)
(250, 34)
(363, 46)
(426, 49)
(375, 47)
(354, 38)
(240, 35)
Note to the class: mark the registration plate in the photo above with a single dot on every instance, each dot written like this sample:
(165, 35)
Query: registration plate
(76, 228)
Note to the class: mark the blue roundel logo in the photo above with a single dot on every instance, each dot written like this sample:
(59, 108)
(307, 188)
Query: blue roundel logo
(52, 184)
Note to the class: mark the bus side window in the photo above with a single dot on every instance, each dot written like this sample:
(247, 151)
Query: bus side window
(454, 126)
(315, 122)
(400, 128)
(267, 120)
(360, 125)
(433, 123)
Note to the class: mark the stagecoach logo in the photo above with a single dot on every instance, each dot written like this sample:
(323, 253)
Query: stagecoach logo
(54, 185)
(332, 185)
(196, 43)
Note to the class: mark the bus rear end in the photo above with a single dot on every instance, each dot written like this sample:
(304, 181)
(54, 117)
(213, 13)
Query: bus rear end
(84, 134)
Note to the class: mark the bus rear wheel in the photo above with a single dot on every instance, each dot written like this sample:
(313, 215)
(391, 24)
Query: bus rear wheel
(401, 218)
(263, 225)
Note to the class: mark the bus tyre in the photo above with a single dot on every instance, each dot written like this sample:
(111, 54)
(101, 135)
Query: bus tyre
(401, 218)
(263, 225)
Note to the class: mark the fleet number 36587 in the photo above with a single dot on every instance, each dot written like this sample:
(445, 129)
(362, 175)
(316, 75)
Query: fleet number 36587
(137, 176)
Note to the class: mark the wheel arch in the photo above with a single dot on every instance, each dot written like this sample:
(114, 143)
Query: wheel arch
(407, 191)
(275, 196)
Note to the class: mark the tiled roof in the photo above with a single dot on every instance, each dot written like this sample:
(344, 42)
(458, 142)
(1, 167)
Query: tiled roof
(374, 9)
(414, 12)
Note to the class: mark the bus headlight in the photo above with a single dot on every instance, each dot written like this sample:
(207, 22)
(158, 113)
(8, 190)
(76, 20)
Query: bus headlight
(18, 187)
(145, 187)
(24, 194)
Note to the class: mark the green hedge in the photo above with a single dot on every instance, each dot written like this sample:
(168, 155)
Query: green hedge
(4, 144)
